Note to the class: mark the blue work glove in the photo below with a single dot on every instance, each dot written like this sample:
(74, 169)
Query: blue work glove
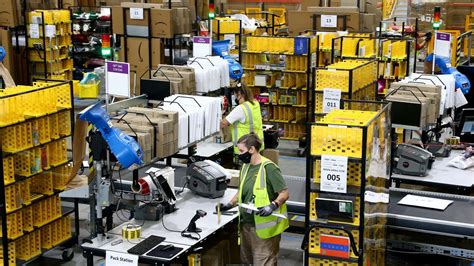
(267, 210)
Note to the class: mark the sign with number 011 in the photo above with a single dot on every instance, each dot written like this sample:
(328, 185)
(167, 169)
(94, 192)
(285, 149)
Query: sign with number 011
(328, 21)
(334, 173)
(331, 99)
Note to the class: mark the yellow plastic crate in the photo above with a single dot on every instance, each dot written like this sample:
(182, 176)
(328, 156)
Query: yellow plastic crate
(14, 225)
(57, 152)
(354, 171)
(54, 126)
(25, 193)
(8, 170)
(64, 121)
(314, 238)
(61, 176)
(336, 141)
(27, 219)
(46, 210)
(313, 216)
(271, 44)
(331, 262)
(28, 163)
(349, 117)
(55, 233)
(29, 246)
(11, 255)
(226, 26)
(12, 198)
(42, 184)
(88, 91)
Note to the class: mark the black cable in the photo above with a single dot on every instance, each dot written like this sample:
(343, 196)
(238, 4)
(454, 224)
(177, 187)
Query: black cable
(182, 189)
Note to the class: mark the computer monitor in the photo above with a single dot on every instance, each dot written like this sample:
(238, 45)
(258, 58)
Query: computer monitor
(466, 125)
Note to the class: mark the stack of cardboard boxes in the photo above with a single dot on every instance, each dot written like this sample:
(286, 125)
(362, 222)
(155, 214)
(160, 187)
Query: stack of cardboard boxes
(156, 131)
(362, 18)
(182, 79)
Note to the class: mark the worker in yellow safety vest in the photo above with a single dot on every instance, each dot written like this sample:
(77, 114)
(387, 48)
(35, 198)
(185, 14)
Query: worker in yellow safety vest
(245, 118)
(263, 187)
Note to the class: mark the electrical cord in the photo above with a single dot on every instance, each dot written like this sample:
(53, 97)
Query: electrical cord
(183, 233)
(182, 189)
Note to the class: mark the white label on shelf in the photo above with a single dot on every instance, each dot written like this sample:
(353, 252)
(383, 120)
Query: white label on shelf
(334, 173)
(136, 13)
(50, 30)
(34, 30)
(362, 51)
(374, 197)
(105, 11)
(328, 21)
(231, 38)
(313, 60)
(331, 99)
(36, 19)
(120, 259)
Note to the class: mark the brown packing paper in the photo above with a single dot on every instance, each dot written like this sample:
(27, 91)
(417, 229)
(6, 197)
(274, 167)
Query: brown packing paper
(79, 147)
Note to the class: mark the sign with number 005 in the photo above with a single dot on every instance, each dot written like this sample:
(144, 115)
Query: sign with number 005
(334, 173)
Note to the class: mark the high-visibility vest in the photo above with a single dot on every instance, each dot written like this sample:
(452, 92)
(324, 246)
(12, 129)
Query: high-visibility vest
(269, 226)
(253, 123)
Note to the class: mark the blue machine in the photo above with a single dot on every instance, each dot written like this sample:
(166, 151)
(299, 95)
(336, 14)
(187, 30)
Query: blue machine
(221, 48)
(462, 82)
(125, 148)
(2, 53)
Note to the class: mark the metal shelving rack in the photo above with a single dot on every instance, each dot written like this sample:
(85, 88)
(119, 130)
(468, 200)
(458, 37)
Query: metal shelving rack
(310, 58)
(100, 28)
(363, 140)
(220, 35)
(58, 53)
(20, 223)
(359, 86)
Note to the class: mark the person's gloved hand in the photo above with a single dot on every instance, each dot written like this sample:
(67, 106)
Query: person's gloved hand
(225, 207)
(267, 210)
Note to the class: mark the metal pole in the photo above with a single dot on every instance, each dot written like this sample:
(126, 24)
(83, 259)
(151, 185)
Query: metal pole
(434, 54)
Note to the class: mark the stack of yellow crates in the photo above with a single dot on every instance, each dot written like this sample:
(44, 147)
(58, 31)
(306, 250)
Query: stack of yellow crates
(35, 122)
(51, 46)
(358, 138)
(354, 80)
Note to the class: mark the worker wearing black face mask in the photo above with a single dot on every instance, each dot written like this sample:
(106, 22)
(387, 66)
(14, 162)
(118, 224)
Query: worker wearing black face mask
(262, 185)
(245, 118)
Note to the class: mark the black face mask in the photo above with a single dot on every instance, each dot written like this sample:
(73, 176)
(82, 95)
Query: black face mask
(237, 101)
(245, 157)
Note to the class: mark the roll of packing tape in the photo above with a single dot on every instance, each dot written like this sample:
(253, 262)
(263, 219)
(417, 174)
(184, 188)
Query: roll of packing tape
(131, 231)
(453, 141)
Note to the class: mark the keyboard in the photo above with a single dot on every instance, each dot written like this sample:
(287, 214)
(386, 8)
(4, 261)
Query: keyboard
(146, 244)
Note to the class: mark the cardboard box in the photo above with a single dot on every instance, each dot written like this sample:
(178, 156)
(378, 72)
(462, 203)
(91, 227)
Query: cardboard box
(8, 13)
(299, 21)
(117, 20)
(162, 23)
(137, 55)
(367, 22)
(351, 14)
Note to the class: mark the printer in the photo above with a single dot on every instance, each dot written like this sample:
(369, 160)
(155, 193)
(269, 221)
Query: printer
(207, 179)
(412, 160)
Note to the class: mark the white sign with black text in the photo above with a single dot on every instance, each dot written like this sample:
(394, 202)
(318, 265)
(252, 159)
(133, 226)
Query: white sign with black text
(334, 173)
(328, 21)
(331, 99)
(136, 13)
(120, 259)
